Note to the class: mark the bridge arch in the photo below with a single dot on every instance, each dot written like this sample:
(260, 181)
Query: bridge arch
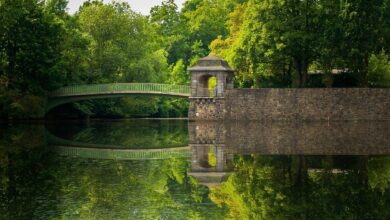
(100, 91)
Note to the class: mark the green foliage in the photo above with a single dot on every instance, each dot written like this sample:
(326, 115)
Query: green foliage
(272, 43)
(171, 28)
(287, 187)
(27, 60)
(38, 50)
(36, 183)
(115, 37)
(379, 173)
(211, 157)
(115, 33)
(138, 107)
(205, 20)
(100, 44)
(172, 108)
(379, 70)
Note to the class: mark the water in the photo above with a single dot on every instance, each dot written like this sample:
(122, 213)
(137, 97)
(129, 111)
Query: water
(151, 169)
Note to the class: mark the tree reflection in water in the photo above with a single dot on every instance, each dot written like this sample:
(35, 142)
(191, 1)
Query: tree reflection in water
(276, 171)
(36, 183)
(306, 187)
(298, 171)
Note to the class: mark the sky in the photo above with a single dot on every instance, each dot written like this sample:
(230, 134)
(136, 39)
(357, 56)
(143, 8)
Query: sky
(142, 6)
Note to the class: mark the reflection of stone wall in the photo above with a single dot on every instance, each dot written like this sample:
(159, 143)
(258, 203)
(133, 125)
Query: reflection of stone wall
(336, 138)
(206, 133)
(334, 104)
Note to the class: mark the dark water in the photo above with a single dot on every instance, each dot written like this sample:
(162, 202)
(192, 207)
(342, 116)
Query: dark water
(142, 169)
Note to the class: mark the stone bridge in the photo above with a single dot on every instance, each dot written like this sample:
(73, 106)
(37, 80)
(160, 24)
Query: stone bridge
(100, 91)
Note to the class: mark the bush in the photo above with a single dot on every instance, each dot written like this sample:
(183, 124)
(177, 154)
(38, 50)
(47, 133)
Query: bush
(379, 70)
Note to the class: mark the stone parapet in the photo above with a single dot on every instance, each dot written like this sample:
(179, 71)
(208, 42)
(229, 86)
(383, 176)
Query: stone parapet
(334, 104)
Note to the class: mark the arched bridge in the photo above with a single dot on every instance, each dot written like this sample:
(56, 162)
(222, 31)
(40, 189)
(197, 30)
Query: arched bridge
(98, 91)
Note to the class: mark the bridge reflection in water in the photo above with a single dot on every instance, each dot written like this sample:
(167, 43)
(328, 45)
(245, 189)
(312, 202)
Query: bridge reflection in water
(213, 146)
(112, 152)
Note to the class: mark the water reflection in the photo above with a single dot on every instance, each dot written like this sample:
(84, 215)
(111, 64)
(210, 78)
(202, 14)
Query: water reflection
(130, 134)
(214, 145)
(295, 171)
(37, 183)
(306, 187)
(232, 170)
(336, 138)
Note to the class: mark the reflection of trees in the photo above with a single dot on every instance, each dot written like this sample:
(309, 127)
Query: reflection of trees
(23, 156)
(156, 189)
(298, 187)
(379, 173)
(37, 184)
(133, 133)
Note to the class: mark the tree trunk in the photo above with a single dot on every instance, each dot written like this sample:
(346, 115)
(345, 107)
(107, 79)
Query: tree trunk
(301, 71)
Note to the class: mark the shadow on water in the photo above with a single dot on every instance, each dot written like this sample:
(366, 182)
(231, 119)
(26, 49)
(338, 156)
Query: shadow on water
(229, 170)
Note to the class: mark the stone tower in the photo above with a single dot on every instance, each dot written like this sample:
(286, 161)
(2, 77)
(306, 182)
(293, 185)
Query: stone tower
(207, 103)
(206, 68)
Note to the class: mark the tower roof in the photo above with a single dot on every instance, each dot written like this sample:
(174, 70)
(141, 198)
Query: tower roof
(211, 63)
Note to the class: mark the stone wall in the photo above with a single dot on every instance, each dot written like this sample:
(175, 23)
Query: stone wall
(206, 108)
(336, 104)
(308, 104)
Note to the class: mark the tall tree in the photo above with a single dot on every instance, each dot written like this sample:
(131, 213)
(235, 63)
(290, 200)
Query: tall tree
(30, 40)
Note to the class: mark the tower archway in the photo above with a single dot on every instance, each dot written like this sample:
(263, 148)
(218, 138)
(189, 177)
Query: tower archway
(207, 68)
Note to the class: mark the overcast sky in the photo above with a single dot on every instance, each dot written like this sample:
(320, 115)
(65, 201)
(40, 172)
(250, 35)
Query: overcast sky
(142, 6)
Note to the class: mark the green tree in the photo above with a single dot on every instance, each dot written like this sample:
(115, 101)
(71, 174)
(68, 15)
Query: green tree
(173, 30)
(178, 74)
(30, 39)
(379, 70)
(275, 43)
(276, 39)
(114, 33)
(363, 36)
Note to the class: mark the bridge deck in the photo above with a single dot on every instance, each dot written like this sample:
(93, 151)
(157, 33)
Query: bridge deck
(98, 91)
(122, 88)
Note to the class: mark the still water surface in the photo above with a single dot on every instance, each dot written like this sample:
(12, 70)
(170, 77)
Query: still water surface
(151, 169)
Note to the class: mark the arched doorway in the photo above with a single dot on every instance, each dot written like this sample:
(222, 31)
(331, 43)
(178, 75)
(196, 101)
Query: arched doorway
(207, 86)
(210, 77)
